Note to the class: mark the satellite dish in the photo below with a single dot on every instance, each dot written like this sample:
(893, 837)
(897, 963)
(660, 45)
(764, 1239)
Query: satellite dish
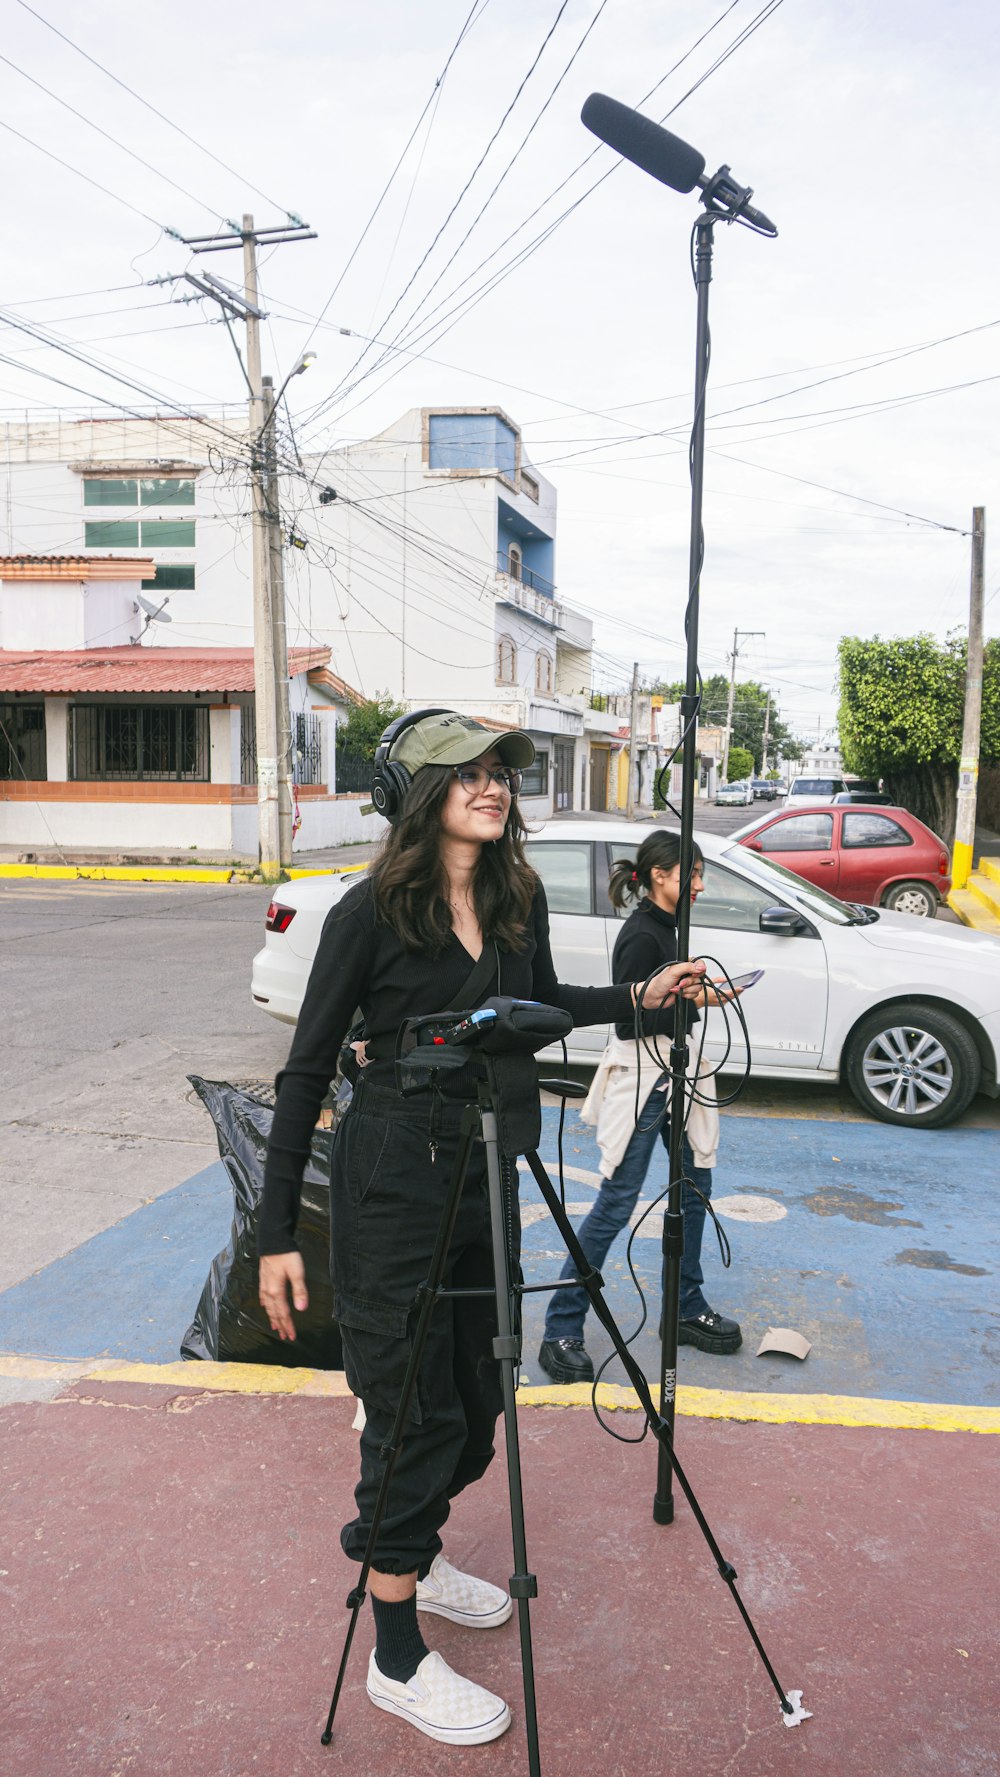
(154, 613)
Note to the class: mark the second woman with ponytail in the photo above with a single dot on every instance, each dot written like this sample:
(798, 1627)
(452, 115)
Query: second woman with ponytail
(647, 940)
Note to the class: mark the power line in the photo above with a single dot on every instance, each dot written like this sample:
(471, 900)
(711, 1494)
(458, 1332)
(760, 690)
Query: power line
(470, 301)
(151, 107)
(472, 19)
(507, 169)
(112, 139)
(80, 175)
(415, 274)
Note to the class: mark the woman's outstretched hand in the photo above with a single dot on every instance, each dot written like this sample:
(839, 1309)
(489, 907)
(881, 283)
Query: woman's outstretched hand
(686, 979)
(279, 1274)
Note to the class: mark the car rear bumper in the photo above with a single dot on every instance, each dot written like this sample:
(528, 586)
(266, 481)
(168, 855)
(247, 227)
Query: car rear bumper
(277, 984)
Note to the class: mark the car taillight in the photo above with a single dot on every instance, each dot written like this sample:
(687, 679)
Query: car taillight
(278, 918)
(943, 864)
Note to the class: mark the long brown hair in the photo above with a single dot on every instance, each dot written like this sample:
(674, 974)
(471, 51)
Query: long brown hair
(409, 881)
(628, 879)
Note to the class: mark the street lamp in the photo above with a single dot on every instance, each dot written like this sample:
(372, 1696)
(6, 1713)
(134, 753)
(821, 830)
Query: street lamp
(304, 362)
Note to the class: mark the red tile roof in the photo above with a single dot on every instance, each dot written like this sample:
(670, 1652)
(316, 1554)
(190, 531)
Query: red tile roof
(60, 671)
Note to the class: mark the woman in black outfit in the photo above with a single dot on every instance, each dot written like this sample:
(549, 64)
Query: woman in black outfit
(646, 941)
(451, 877)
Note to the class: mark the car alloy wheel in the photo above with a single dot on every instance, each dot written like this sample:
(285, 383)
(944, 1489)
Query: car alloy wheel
(912, 897)
(913, 1065)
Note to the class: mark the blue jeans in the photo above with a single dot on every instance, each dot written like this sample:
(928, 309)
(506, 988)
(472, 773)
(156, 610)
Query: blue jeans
(616, 1200)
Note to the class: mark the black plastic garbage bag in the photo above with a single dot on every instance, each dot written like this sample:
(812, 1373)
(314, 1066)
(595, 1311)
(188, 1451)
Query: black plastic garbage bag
(229, 1323)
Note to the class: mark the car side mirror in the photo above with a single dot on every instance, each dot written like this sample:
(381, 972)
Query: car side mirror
(754, 845)
(782, 921)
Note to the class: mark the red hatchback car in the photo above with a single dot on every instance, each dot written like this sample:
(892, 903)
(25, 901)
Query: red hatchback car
(880, 857)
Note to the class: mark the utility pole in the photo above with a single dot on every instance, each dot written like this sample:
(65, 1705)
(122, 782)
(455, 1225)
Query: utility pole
(633, 745)
(265, 703)
(968, 769)
(267, 690)
(767, 736)
(732, 689)
(276, 568)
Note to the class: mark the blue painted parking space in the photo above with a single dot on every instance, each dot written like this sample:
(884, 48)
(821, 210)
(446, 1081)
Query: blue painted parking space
(879, 1245)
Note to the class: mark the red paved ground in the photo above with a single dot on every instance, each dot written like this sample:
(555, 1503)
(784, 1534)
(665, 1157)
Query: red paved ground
(175, 1597)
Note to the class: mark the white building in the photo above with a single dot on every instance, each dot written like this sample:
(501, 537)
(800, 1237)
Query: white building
(127, 748)
(423, 559)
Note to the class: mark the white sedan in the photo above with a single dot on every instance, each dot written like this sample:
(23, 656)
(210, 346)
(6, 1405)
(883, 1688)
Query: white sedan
(906, 1011)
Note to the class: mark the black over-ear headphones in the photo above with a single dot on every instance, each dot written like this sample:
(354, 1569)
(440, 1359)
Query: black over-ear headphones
(390, 779)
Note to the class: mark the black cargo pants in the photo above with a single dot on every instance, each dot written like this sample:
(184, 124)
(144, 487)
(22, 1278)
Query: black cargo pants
(386, 1199)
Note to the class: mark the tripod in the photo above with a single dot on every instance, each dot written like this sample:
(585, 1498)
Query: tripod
(481, 1121)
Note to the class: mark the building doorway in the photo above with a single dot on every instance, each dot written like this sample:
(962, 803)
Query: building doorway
(599, 757)
(562, 757)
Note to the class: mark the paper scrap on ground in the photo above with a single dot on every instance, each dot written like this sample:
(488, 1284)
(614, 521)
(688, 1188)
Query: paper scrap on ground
(784, 1339)
(797, 1712)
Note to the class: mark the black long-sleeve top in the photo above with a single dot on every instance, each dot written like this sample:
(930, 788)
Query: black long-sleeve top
(647, 940)
(360, 962)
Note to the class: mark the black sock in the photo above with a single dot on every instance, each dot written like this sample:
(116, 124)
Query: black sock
(399, 1645)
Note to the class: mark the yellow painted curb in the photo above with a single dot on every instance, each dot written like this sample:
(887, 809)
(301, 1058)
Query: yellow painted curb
(972, 912)
(113, 873)
(220, 1378)
(780, 1409)
(328, 870)
(692, 1403)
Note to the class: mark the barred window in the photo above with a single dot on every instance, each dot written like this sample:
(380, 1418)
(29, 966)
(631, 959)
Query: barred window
(543, 672)
(153, 742)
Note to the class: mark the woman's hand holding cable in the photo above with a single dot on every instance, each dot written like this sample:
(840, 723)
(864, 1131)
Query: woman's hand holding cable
(279, 1274)
(685, 979)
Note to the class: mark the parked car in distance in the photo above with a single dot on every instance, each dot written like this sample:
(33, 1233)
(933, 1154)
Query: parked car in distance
(737, 795)
(905, 1011)
(863, 799)
(879, 857)
(816, 790)
(765, 789)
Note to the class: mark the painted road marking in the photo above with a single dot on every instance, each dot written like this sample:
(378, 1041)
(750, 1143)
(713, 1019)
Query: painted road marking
(746, 1207)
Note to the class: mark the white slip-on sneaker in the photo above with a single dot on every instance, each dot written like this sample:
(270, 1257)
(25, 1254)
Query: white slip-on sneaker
(461, 1597)
(441, 1703)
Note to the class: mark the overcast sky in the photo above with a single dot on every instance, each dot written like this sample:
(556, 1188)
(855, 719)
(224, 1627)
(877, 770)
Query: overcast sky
(866, 127)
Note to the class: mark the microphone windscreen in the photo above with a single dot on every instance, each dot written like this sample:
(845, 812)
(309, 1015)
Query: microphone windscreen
(645, 143)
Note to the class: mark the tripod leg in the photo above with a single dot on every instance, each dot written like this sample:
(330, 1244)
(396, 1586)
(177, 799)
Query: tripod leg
(427, 1295)
(523, 1585)
(593, 1284)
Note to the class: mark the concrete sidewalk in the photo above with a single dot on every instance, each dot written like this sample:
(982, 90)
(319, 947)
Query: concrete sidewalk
(177, 1595)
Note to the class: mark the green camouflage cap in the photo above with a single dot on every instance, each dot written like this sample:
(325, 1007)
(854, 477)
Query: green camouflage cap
(453, 739)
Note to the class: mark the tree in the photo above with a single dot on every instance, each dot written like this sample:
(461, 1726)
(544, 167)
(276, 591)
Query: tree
(901, 707)
(367, 723)
(749, 715)
(740, 764)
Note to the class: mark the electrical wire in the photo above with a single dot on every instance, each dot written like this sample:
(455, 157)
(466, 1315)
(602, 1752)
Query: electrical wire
(472, 19)
(468, 303)
(174, 125)
(423, 261)
(125, 149)
(69, 168)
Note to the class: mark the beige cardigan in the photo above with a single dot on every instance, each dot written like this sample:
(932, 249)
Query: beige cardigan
(610, 1105)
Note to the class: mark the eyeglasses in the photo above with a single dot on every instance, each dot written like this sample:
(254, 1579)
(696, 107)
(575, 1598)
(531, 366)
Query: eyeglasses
(476, 778)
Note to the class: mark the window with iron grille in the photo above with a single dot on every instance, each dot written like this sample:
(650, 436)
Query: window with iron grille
(22, 741)
(153, 742)
(307, 747)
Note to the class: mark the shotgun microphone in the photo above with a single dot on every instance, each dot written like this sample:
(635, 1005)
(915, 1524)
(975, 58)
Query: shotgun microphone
(670, 160)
